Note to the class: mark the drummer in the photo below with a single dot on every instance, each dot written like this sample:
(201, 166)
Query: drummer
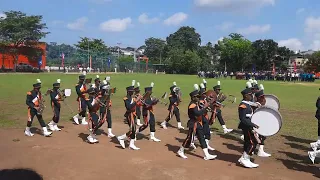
(260, 99)
(250, 143)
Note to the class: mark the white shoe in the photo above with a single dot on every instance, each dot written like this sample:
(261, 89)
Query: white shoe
(208, 146)
(83, 121)
(181, 153)
(153, 138)
(245, 161)
(139, 123)
(28, 133)
(75, 119)
(132, 146)
(46, 133)
(91, 139)
(110, 134)
(261, 152)
(312, 156)
(51, 127)
(242, 137)
(121, 141)
(180, 126)
(193, 146)
(164, 125)
(226, 131)
(208, 156)
(56, 128)
(315, 145)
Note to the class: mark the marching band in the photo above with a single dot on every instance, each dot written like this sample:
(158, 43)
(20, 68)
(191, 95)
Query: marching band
(96, 98)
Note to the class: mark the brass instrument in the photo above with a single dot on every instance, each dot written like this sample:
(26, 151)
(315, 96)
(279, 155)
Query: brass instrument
(222, 97)
(178, 93)
(41, 103)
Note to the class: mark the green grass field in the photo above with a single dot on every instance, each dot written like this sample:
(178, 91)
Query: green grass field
(297, 100)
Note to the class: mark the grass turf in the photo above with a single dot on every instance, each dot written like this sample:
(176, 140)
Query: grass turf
(297, 99)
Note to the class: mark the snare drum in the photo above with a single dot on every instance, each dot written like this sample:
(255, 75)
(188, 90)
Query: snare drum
(272, 101)
(268, 119)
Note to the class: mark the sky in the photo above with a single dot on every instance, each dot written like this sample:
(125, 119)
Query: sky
(291, 23)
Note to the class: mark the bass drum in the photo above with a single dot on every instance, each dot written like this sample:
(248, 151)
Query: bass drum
(268, 119)
(272, 101)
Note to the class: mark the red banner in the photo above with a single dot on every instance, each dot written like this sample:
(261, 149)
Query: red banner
(273, 70)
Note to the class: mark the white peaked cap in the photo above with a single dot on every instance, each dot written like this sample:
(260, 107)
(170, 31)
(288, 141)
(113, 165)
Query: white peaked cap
(97, 76)
(93, 86)
(202, 86)
(204, 81)
(38, 81)
(104, 82)
(58, 80)
(108, 78)
(174, 83)
(152, 84)
(261, 87)
(218, 83)
(196, 87)
(84, 72)
(133, 82)
(255, 82)
(249, 85)
(138, 84)
(250, 80)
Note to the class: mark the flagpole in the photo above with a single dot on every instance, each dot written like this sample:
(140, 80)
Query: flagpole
(225, 66)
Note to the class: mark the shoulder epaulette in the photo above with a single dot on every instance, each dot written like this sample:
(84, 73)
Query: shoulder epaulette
(192, 106)
(125, 98)
(29, 93)
(242, 106)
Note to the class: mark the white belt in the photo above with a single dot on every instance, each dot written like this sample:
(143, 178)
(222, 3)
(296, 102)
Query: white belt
(248, 115)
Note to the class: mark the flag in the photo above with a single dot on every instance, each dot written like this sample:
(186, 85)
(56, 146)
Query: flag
(62, 62)
(273, 70)
(40, 61)
(295, 66)
(109, 62)
(253, 68)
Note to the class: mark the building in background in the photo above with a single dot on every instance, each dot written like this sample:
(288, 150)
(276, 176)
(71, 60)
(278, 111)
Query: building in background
(7, 60)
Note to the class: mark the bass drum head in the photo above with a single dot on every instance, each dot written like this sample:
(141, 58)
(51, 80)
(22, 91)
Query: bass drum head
(272, 101)
(268, 119)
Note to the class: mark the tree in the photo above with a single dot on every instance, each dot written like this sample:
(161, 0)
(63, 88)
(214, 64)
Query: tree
(186, 38)
(95, 48)
(313, 63)
(235, 52)
(19, 31)
(207, 55)
(182, 62)
(264, 52)
(154, 49)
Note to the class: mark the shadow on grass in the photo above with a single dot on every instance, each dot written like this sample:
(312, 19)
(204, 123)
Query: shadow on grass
(296, 139)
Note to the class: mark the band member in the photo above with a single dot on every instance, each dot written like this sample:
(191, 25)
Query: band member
(105, 111)
(81, 90)
(250, 142)
(218, 113)
(173, 108)
(195, 125)
(148, 114)
(260, 99)
(130, 103)
(56, 98)
(108, 80)
(316, 144)
(34, 102)
(138, 108)
(93, 107)
(205, 117)
(97, 84)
